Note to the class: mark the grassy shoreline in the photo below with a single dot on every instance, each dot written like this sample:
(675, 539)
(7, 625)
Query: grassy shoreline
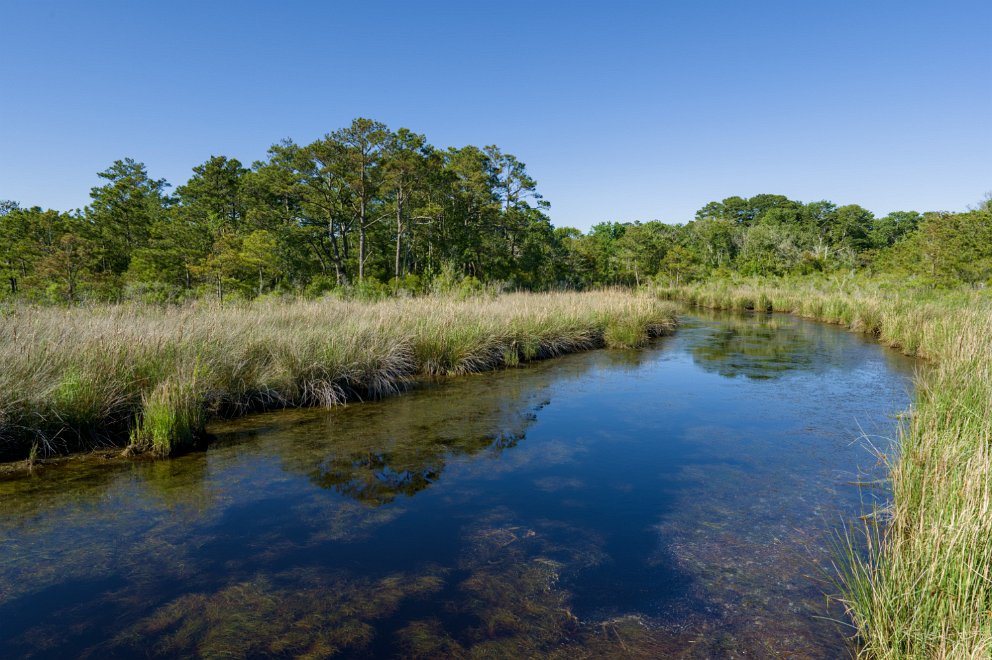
(149, 378)
(924, 590)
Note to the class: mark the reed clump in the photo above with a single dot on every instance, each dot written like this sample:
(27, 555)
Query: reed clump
(172, 416)
(923, 589)
(151, 377)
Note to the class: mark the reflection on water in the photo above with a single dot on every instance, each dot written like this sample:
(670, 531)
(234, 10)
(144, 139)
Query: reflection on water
(758, 347)
(401, 447)
(646, 503)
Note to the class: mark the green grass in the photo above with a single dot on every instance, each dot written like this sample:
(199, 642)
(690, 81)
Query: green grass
(924, 588)
(81, 378)
(172, 415)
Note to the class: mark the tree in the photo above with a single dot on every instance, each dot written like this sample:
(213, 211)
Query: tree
(759, 205)
(468, 226)
(850, 227)
(641, 249)
(405, 166)
(601, 245)
(177, 245)
(890, 229)
(8, 206)
(18, 247)
(124, 209)
(732, 209)
(715, 239)
(364, 202)
(947, 248)
(214, 194)
(306, 183)
(64, 263)
(680, 264)
(818, 215)
(359, 166)
(46, 253)
(769, 250)
(259, 253)
(513, 186)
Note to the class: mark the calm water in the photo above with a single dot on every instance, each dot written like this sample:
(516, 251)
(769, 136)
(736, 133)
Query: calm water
(679, 501)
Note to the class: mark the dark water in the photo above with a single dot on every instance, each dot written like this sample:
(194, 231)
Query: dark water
(679, 501)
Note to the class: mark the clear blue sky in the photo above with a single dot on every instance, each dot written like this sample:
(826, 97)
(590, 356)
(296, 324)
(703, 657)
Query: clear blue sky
(621, 110)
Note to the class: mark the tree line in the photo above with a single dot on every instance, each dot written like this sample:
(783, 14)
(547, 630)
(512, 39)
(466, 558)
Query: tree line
(369, 210)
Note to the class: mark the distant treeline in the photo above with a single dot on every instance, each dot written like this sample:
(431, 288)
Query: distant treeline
(369, 210)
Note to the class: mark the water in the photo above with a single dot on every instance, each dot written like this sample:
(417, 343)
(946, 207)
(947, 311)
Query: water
(679, 501)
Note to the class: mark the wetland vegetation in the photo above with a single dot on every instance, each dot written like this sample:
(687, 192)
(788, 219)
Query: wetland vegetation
(151, 377)
(587, 506)
(924, 589)
(358, 264)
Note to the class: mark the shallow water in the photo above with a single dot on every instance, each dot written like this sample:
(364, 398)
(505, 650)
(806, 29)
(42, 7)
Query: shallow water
(680, 501)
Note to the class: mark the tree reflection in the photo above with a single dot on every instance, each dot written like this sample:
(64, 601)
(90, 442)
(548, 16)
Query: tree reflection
(756, 348)
(378, 451)
(379, 477)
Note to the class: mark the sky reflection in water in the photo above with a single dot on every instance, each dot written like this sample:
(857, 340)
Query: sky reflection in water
(675, 501)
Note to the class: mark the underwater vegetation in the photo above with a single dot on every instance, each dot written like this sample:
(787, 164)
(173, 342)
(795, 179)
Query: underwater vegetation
(151, 377)
(924, 588)
(583, 507)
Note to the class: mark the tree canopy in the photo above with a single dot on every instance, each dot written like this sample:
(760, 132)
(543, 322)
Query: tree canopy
(372, 209)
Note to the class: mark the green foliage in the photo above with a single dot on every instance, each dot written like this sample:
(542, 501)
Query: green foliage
(319, 285)
(123, 211)
(769, 250)
(172, 415)
(369, 203)
(889, 230)
(407, 285)
(448, 281)
(361, 203)
(368, 289)
(946, 249)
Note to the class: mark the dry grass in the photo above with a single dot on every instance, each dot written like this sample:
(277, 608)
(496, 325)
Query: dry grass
(924, 588)
(87, 377)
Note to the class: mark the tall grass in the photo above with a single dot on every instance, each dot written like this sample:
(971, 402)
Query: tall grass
(924, 588)
(85, 377)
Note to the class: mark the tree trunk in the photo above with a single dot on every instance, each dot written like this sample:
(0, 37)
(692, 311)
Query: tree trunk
(338, 276)
(399, 229)
(361, 239)
(361, 222)
(317, 253)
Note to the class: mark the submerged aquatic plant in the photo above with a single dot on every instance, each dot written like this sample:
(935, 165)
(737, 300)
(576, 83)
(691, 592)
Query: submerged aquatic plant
(298, 613)
(83, 377)
(923, 586)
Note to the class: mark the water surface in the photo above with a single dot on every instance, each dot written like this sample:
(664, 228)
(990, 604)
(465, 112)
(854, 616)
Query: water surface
(678, 501)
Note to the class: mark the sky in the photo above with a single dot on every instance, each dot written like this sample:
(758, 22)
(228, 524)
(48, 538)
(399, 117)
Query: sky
(621, 110)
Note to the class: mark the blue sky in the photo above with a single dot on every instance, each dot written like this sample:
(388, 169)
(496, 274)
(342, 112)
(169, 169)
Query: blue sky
(621, 110)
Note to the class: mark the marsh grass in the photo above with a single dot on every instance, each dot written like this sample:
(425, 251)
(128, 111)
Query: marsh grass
(86, 377)
(172, 416)
(923, 586)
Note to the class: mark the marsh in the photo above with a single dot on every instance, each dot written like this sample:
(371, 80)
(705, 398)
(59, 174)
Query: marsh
(680, 500)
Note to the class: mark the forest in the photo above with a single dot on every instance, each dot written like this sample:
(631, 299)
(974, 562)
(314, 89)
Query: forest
(367, 211)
